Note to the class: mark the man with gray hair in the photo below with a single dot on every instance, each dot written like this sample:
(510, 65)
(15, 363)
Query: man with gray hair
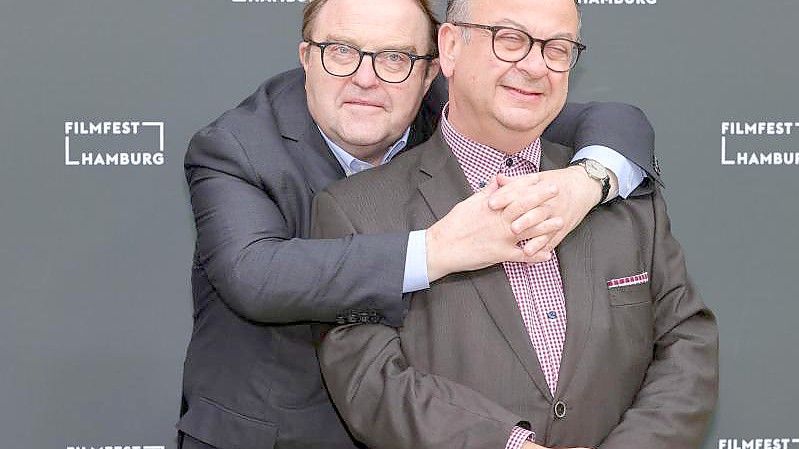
(607, 344)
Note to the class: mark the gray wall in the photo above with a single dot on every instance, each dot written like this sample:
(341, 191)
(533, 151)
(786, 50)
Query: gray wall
(94, 260)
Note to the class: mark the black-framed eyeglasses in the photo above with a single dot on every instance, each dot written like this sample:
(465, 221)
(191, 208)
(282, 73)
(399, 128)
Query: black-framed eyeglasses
(512, 45)
(391, 66)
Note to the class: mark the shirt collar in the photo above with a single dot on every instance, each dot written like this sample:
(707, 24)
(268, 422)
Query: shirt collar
(352, 165)
(478, 160)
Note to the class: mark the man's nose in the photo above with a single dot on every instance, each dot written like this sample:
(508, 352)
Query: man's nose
(534, 63)
(365, 77)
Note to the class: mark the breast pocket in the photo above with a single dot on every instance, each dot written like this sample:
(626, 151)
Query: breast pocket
(629, 295)
(632, 327)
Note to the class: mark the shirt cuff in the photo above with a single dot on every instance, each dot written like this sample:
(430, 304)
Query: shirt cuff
(415, 277)
(629, 175)
(518, 437)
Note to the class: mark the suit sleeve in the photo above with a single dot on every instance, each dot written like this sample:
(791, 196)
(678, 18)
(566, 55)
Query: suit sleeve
(385, 402)
(247, 249)
(619, 126)
(680, 389)
(622, 127)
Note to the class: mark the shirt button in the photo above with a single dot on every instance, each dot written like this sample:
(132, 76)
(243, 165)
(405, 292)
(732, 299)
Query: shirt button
(481, 184)
(552, 315)
(559, 410)
(509, 162)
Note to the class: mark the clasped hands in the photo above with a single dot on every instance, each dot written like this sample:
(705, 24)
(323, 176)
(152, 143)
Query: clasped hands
(512, 219)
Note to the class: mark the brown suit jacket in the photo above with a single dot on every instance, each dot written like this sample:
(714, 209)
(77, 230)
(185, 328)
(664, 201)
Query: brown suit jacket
(640, 363)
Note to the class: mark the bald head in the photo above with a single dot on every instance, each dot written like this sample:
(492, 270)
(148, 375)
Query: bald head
(458, 11)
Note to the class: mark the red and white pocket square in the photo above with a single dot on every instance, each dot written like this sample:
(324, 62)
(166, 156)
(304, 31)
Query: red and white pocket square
(637, 279)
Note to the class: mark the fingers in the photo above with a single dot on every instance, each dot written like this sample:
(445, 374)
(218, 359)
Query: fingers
(504, 179)
(511, 188)
(527, 200)
(535, 244)
(519, 255)
(540, 241)
(557, 237)
(539, 221)
(491, 187)
(477, 201)
(550, 229)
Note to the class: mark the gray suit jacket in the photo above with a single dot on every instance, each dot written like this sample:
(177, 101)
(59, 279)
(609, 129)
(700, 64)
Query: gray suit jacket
(639, 368)
(251, 379)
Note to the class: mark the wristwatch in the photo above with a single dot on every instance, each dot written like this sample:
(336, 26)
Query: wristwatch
(598, 172)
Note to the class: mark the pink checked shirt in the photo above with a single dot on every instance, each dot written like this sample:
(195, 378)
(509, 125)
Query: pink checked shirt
(538, 288)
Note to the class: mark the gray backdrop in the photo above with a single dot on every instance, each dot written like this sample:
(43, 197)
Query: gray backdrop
(94, 260)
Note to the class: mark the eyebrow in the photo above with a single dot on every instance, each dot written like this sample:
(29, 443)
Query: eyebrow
(397, 47)
(524, 28)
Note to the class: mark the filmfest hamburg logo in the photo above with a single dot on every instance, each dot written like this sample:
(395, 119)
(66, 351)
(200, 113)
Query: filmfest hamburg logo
(114, 143)
(781, 442)
(760, 143)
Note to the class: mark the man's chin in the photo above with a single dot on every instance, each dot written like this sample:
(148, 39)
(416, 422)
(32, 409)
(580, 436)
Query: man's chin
(363, 139)
(522, 120)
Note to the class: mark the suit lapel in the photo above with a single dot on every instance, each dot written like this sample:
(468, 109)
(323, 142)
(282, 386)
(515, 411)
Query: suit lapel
(574, 258)
(303, 139)
(327, 168)
(444, 186)
(495, 292)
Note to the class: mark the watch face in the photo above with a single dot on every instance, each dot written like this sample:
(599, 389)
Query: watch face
(595, 169)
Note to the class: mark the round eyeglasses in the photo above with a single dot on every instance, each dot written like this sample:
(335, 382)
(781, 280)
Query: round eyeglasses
(512, 45)
(391, 66)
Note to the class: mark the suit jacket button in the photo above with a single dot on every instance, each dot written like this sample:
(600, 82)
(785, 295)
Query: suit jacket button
(559, 410)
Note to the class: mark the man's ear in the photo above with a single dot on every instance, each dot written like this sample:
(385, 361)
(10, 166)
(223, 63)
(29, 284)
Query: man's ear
(449, 45)
(302, 51)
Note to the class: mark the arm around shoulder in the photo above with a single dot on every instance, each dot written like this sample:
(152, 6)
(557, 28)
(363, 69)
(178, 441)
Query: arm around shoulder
(619, 126)
(252, 257)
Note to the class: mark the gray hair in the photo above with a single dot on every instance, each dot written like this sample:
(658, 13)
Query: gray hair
(458, 11)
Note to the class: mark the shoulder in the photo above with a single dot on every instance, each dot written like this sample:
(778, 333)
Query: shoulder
(259, 123)
(386, 182)
(261, 111)
(375, 200)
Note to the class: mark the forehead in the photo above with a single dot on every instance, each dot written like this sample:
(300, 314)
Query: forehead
(540, 18)
(374, 24)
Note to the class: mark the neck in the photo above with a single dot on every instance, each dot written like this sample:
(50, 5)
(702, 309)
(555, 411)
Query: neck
(371, 154)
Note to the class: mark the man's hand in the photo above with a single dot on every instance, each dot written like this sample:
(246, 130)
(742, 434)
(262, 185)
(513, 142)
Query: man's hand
(577, 195)
(473, 236)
